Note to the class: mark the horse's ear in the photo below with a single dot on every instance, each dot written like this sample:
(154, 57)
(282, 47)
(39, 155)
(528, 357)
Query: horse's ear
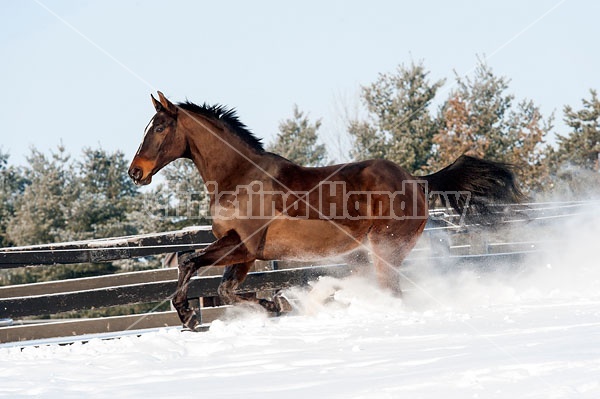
(157, 105)
(166, 104)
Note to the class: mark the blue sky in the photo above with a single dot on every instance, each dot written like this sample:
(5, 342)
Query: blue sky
(82, 71)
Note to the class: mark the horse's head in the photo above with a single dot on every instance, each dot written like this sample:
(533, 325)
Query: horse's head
(162, 142)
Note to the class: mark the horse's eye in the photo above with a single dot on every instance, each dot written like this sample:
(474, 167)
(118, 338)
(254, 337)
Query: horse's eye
(159, 129)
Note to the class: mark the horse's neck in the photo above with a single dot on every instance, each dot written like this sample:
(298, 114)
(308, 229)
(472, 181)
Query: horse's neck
(219, 155)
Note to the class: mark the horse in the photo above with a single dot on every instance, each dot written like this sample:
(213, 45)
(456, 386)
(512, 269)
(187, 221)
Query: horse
(265, 207)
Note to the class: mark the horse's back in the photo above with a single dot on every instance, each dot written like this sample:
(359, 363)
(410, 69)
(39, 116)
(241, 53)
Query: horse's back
(369, 175)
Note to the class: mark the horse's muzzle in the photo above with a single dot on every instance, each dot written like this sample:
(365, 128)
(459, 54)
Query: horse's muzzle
(136, 173)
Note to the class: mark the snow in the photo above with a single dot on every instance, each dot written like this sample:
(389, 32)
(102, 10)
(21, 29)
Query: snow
(518, 331)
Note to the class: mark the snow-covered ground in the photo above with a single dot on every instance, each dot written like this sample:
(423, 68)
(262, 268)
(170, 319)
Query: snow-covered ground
(517, 332)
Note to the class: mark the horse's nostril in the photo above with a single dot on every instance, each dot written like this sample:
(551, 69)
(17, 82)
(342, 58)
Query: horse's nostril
(135, 173)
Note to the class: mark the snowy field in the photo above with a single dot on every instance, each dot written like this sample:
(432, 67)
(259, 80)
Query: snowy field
(516, 332)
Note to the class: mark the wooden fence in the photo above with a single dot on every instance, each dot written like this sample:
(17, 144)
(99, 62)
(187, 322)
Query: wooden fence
(19, 302)
(46, 298)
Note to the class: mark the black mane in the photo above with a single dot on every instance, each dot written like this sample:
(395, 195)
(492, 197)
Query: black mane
(228, 117)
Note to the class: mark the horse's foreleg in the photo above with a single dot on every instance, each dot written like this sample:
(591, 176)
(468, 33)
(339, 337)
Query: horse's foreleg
(180, 301)
(233, 277)
(227, 250)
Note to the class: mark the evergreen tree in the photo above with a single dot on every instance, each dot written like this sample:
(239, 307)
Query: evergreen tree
(480, 119)
(12, 185)
(105, 195)
(297, 141)
(575, 162)
(66, 200)
(42, 212)
(581, 147)
(400, 127)
(181, 200)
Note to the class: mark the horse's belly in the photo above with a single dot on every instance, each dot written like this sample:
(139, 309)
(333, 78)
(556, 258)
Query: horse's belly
(305, 239)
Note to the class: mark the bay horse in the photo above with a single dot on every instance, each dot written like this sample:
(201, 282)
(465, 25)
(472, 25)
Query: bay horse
(265, 207)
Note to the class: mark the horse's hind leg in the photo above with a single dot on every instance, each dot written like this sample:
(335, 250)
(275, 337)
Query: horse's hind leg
(387, 264)
(233, 277)
(390, 245)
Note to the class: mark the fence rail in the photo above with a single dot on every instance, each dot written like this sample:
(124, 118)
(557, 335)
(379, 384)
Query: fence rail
(157, 291)
(106, 250)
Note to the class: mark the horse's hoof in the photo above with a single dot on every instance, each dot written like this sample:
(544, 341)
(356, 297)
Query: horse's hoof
(192, 323)
(282, 304)
(198, 328)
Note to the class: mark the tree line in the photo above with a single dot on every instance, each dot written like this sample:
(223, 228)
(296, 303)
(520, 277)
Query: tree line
(56, 197)
(479, 117)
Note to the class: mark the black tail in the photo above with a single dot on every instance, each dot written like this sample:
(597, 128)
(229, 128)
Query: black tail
(473, 186)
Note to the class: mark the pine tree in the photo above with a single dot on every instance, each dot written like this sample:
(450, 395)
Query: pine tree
(581, 146)
(368, 141)
(297, 140)
(105, 195)
(12, 185)
(574, 164)
(400, 127)
(42, 213)
(181, 200)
